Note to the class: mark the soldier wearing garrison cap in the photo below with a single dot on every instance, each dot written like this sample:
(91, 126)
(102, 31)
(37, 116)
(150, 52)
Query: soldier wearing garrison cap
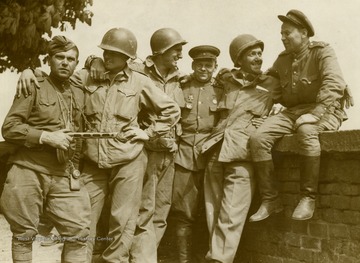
(198, 117)
(312, 87)
(229, 173)
(38, 182)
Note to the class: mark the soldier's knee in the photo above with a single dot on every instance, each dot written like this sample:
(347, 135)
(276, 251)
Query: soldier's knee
(306, 130)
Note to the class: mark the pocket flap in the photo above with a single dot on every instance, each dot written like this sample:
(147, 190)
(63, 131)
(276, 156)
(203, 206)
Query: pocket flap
(127, 92)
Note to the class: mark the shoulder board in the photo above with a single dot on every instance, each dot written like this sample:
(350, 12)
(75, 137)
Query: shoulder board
(314, 44)
(137, 67)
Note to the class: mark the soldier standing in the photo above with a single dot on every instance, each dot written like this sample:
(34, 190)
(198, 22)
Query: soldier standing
(38, 181)
(166, 45)
(198, 117)
(229, 175)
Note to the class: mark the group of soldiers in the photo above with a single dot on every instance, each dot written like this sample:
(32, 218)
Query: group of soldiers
(154, 142)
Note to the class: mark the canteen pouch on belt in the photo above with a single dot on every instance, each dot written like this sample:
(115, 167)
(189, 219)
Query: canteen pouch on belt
(74, 178)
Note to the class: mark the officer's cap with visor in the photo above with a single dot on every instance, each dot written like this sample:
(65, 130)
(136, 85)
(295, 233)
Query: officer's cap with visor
(298, 19)
(204, 52)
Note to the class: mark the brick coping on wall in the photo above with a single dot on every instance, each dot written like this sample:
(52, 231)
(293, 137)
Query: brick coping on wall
(339, 141)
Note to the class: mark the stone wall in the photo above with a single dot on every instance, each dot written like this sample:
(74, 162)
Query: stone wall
(333, 234)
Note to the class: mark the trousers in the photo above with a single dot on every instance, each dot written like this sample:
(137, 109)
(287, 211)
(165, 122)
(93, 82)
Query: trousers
(155, 207)
(122, 184)
(275, 127)
(229, 189)
(29, 194)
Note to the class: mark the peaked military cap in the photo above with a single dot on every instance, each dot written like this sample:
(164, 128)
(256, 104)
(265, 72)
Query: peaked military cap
(203, 52)
(298, 18)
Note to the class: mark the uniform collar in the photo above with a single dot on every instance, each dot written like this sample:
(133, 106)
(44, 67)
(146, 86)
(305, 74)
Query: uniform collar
(59, 85)
(149, 63)
(298, 55)
(303, 51)
(246, 79)
(123, 75)
(210, 82)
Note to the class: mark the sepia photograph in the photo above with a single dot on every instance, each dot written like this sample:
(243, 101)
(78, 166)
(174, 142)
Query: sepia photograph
(167, 131)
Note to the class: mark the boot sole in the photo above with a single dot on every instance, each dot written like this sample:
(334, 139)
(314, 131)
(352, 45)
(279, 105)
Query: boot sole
(301, 219)
(278, 210)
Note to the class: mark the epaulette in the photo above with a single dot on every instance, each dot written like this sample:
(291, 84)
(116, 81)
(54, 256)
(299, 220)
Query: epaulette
(137, 67)
(314, 44)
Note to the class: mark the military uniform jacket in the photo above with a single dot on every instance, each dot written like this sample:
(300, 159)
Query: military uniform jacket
(242, 101)
(41, 111)
(198, 118)
(171, 87)
(311, 81)
(110, 106)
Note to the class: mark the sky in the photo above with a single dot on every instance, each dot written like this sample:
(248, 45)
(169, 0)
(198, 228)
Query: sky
(217, 22)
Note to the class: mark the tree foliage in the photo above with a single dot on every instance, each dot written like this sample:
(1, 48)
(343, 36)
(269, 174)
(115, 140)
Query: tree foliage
(26, 25)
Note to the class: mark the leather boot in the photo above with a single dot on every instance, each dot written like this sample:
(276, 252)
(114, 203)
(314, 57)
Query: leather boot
(269, 195)
(184, 244)
(21, 251)
(309, 177)
(266, 209)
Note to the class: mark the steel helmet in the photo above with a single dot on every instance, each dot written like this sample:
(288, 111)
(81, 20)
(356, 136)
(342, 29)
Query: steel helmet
(120, 40)
(164, 39)
(240, 44)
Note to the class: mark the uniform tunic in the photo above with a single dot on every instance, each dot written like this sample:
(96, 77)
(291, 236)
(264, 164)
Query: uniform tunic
(198, 118)
(113, 105)
(229, 175)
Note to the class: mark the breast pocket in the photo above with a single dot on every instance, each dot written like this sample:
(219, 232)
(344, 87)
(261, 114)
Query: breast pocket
(47, 104)
(94, 99)
(126, 104)
(94, 104)
(310, 87)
